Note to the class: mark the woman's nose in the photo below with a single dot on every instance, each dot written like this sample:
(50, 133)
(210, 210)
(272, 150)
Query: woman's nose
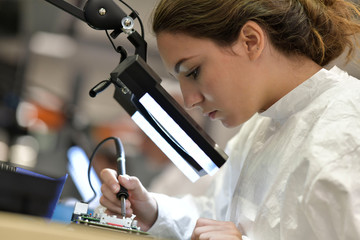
(192, 96)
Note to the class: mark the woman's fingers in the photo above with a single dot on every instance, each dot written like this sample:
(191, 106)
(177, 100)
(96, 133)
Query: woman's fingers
(109, 178)
(115, 206)
(134, 187)
(139, 201)
(212, 229)
(108, 193)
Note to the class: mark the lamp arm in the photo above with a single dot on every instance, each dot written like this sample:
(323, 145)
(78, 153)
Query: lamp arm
(106, 15)
(67, 7)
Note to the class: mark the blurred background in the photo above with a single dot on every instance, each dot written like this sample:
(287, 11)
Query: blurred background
(49, 61)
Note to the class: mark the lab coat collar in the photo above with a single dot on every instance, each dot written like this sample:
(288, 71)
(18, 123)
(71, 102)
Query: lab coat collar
(303, 95)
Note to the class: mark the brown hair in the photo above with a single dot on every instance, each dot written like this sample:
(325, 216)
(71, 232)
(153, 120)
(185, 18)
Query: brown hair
(318, 29)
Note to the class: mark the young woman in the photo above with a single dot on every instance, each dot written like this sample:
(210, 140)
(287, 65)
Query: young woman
(293, 169)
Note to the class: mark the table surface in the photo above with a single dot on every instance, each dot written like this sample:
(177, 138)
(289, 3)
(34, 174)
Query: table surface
(18, 226)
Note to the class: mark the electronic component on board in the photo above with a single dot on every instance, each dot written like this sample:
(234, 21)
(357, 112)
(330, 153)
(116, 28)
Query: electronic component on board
(101, 219)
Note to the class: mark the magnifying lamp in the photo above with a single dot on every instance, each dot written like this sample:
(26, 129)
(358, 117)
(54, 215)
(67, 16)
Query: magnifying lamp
(139, 92)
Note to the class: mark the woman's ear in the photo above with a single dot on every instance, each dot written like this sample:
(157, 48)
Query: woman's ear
(252, 40)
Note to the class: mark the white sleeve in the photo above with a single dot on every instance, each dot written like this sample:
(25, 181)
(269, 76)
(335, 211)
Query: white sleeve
(177, 216)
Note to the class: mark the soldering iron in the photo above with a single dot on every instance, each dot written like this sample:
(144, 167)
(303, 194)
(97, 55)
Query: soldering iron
(123, 194)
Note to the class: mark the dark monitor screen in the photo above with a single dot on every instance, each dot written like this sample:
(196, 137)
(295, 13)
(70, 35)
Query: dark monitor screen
(26, 192)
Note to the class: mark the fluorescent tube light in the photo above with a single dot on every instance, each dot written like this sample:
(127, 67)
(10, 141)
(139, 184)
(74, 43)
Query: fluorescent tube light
(189, 146)
(165, 147)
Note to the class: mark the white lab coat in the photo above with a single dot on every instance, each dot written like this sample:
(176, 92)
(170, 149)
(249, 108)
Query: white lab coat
(293, 171)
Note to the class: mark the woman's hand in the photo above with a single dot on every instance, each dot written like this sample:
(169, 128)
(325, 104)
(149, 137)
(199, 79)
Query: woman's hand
(139, 202)
(211, 229)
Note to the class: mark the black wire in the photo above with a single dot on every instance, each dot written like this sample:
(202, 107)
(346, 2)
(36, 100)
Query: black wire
(112, 43)
(119, 153)
(119, 49)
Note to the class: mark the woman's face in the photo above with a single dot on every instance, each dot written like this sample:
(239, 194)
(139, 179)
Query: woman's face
(221, 81)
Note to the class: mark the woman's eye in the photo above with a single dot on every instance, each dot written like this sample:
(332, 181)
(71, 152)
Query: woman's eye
(194, 74)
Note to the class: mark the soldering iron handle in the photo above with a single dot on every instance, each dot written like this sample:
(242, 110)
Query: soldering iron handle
(123, 192)
(121, 171)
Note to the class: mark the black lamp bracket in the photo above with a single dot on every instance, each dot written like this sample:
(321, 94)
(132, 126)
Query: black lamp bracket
(106, 15)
